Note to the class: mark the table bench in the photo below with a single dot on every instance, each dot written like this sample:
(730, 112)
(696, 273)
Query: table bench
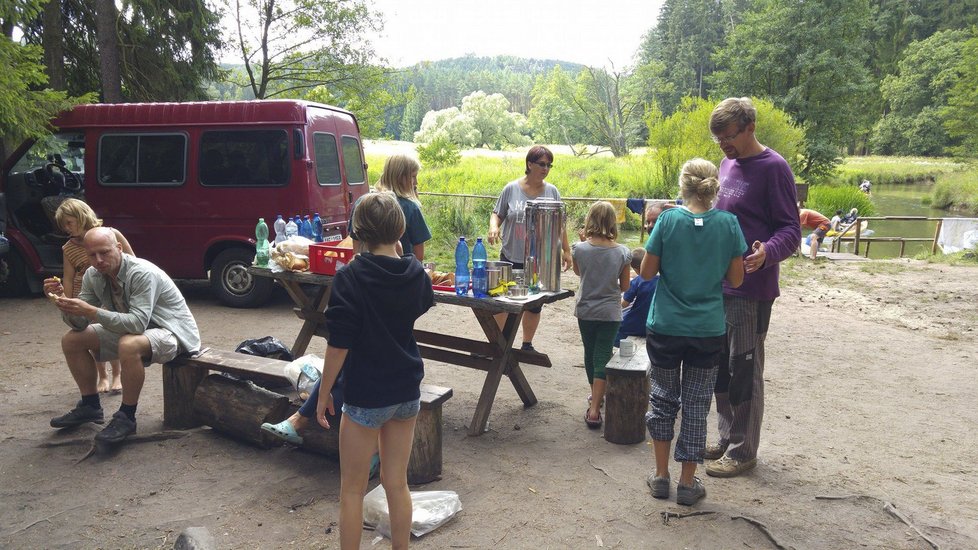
(627, 395)
(239, 407)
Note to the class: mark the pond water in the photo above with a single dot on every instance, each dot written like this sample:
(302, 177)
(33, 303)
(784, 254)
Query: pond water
(903, 200)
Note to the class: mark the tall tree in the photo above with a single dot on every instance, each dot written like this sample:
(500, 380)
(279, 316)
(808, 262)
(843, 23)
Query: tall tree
(297, 45)
(26, 105)
(810, 59)
(54, 48)
(553, 117)
(962, 103)
(165, 48)
(917, 94)
(611, 114)
(110, 61)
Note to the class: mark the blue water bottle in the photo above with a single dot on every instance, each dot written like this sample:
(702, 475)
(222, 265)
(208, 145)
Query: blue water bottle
(461, 267)
(317, 228)
(307, 228)
(280, 230)
(480, 279)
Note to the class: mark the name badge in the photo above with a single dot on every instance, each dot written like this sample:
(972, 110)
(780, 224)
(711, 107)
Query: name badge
(698, 222)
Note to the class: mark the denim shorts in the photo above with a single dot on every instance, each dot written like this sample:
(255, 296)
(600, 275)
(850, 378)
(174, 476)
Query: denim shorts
(375, 418)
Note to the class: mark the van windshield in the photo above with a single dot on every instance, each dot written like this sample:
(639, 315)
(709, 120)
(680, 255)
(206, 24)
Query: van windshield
(70, 146)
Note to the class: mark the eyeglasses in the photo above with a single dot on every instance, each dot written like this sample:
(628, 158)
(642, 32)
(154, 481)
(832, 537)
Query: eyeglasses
(544, 165)
(726, 139)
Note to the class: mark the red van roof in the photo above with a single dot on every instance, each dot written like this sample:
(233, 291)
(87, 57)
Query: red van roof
(273, 111)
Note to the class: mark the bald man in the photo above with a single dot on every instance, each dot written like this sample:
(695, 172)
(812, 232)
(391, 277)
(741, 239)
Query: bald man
(129, 310)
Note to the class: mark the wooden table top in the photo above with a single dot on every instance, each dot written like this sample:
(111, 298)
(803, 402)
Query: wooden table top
(496, 305)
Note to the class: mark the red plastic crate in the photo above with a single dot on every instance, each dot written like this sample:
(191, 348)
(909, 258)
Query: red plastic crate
(325, 260)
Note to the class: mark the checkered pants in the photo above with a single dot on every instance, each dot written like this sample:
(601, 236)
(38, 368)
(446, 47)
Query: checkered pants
(690, 388)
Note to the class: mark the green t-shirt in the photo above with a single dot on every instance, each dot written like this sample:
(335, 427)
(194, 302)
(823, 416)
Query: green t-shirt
(695, 252)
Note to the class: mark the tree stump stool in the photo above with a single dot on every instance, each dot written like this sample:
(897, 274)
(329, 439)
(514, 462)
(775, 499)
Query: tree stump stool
(627, 396)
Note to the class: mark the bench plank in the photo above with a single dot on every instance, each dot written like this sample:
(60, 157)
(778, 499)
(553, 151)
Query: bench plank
(243, 365)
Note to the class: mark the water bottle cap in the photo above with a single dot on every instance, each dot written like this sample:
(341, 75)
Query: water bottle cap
(461, 238)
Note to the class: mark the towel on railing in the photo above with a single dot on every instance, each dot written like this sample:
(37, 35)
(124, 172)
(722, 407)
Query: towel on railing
(636, 205)
(958, 234)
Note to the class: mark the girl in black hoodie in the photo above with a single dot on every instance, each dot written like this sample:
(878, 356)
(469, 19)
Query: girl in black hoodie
(374, 303)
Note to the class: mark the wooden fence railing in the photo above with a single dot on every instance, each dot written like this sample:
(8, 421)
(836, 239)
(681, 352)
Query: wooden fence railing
(858, 238)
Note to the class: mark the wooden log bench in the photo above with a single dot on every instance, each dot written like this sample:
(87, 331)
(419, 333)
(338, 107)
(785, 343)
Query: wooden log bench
(239, 407)
(627, 395)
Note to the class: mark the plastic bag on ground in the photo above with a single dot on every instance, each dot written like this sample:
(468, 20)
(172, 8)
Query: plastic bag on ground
(269, 346)
(304, 372)
(430, 510)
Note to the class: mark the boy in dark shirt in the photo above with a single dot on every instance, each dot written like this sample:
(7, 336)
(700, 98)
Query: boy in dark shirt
(639, 297)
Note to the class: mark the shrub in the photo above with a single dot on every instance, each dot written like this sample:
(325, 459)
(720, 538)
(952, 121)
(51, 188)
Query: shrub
(827, 200)
(441, 151)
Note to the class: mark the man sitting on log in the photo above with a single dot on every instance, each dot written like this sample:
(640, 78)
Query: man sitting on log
(128, 309)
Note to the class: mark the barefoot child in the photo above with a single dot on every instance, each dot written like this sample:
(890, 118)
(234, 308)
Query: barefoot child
(693, 249)
(75, 218)
(374, 303)
(603, 267)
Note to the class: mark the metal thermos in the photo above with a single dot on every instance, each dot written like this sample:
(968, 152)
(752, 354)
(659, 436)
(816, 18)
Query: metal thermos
(545, 219)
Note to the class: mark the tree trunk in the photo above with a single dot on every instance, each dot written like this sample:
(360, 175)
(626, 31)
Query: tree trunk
(108, 49)
(52, 37)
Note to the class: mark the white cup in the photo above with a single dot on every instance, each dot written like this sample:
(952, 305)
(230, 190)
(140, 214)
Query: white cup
(627, 348)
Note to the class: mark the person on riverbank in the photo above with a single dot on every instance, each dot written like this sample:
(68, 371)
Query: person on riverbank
(757, 186)
(603, 265)
(374, 303)
(819, 224)
(74, 217)
(693, 249)
(507, 223)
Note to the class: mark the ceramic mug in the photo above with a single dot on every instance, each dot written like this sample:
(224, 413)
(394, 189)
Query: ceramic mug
(627, 348)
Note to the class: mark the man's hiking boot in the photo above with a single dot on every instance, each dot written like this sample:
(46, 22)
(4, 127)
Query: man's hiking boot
(81, 414)
(119, 428)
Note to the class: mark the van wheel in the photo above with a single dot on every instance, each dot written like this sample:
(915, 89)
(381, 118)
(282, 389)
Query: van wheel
(233, 285)
(13, 275)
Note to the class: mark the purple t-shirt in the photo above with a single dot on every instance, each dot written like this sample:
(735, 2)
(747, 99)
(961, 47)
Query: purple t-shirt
(760, 191)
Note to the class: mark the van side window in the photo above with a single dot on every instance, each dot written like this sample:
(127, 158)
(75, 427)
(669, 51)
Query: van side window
(327, 159)
(352, 161)
(244, 158)
(142, 159)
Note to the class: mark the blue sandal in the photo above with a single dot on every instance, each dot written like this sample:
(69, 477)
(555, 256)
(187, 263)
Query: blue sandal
(284, 431)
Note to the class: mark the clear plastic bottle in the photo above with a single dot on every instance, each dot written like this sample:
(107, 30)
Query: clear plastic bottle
(291, 229)
(317, 228)
(480, 281)
(306, 230)
(279, 227)
(461, 267)
(261, 243)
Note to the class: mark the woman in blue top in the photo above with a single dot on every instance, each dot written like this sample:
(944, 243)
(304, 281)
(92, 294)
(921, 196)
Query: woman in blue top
(693, 249)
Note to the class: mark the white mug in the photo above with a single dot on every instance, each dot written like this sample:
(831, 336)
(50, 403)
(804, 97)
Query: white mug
(627, 348)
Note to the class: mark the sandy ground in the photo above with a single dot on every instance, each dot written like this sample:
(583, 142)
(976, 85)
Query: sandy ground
(870, 392)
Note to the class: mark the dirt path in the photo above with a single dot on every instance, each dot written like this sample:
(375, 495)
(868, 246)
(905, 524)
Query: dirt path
(870, 391)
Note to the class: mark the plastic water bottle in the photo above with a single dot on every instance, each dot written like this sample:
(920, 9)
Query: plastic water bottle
(480, 279)
(317, 228)
(261, 243)
(291, 229)
(461, 267)
(307, 228)
(279, 227)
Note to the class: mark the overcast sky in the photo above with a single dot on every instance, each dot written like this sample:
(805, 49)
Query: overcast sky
(591, 33)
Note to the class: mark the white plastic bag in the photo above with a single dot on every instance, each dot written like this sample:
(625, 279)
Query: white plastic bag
(429, 510)
(304, 372)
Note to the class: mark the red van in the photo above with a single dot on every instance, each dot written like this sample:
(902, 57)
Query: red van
(184, 182)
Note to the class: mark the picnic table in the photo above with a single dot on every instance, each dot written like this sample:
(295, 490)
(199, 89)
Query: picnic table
(495, 354)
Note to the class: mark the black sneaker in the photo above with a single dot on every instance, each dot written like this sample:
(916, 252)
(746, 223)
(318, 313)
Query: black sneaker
(528, 347)
(81, 414)
(119, 428)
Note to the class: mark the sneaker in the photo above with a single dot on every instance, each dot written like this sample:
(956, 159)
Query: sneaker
(715, 451)
(527, 346)
(687, 495)
(659, 486)
(78, 416)
(730, 467)
(119, 428)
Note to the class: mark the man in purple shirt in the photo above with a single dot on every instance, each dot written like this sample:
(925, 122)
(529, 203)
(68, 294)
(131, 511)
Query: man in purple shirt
(757, 186)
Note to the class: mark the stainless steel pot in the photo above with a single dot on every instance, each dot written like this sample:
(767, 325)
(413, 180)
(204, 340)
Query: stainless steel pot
(545, 219)
(505, 271)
